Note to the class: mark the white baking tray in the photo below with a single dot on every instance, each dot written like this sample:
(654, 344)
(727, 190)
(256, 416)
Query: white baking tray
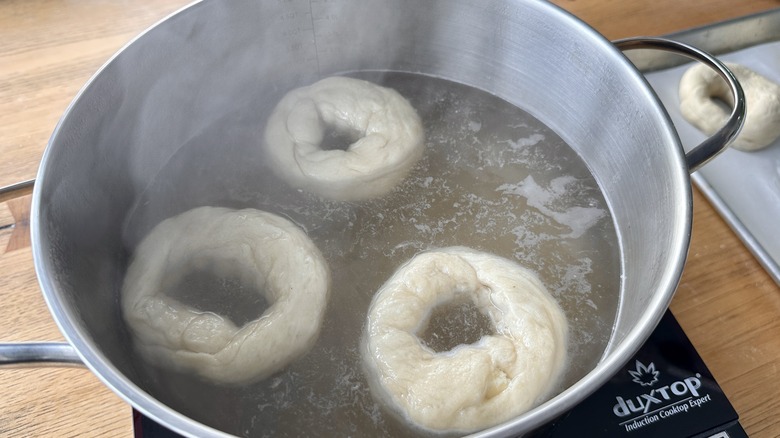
(743, 186)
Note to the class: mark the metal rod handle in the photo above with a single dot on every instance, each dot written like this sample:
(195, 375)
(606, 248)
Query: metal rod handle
(718, 142)
(38, 354)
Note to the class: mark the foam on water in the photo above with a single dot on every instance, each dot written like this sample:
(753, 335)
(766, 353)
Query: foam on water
(578, 219)
(493, 178)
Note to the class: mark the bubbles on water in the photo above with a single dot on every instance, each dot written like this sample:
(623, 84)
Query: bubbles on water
(492, 178)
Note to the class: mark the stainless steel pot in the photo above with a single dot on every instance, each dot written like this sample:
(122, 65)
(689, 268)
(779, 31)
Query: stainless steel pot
(111, 141)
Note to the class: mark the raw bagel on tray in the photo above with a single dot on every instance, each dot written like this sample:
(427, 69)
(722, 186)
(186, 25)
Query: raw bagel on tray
(700, 87)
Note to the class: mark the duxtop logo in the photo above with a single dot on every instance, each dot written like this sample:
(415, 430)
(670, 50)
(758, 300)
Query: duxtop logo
(659, 402)
(645, 375)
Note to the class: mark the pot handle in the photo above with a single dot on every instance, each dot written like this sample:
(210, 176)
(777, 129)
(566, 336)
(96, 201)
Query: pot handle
(718, 142)
(38, 354)
(35, 354)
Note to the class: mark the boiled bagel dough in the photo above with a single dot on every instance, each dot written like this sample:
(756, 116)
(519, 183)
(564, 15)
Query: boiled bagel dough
(700, 85)
(261, 249)
(389, 138)
(472, 386)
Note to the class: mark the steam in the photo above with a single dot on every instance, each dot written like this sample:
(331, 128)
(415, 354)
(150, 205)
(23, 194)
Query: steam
(194, 100)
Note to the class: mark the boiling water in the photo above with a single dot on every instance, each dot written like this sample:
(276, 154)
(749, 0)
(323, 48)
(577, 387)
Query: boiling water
(493, 178)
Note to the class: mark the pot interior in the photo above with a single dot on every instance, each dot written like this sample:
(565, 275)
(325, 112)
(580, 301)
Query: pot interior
(543, 145)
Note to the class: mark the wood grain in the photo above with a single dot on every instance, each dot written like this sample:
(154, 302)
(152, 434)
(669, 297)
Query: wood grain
(48, 51)
(47, 401)
(625, 18)
(726, 303)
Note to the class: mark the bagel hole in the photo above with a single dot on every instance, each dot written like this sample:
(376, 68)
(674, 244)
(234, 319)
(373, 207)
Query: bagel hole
(228, 297)
(723, 103)
(453, 323)
(338, 139)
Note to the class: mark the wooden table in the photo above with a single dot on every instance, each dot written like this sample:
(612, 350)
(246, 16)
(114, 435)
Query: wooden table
(726, 303)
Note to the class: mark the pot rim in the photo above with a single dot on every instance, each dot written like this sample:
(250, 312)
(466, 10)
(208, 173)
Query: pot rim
(616, 356)
(612, 360)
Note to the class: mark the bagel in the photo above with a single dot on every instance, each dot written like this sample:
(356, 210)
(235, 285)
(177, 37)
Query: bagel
(266, 252)
(700, 86)
(388, 132)
(472, 386)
